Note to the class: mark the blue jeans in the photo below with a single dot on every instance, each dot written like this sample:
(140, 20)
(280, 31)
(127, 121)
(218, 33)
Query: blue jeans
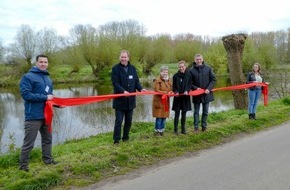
(254, 96)
(160, 124)
(205, 107)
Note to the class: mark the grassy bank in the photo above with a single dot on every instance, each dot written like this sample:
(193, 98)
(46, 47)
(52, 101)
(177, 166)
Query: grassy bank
(61, 74)
(11, 75)
(87, 161)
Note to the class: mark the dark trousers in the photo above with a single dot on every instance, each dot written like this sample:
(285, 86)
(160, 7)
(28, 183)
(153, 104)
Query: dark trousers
(120, 114)
(31, 129)
(205, 107)
(176, 120)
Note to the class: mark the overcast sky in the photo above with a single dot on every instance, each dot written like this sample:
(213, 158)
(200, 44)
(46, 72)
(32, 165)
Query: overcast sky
(213, 18)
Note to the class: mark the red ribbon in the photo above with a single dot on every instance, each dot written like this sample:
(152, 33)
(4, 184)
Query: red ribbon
(63, 102)
(246, 86)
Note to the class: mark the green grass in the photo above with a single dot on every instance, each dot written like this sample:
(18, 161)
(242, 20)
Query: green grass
(87, 161)
(64, 74)
(11, 75)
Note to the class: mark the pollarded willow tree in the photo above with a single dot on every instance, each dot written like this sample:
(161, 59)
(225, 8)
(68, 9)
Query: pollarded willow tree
(234, 45)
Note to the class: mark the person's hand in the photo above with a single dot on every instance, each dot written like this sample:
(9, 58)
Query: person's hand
(126, 92)
(206, 91)
(144, 90)
(185, 93)
(177, 94)
(49, 97)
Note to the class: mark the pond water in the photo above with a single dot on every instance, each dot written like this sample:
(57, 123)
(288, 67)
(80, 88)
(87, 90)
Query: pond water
(85, 120)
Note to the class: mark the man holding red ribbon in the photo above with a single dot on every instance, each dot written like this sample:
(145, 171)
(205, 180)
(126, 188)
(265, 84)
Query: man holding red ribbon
(125, 80)
(202, 78)
(36, 88)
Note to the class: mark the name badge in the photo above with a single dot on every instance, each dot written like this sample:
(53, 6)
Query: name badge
(46, 89)
(130, 76)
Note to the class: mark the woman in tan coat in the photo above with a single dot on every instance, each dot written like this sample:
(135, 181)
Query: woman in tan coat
(164, 85)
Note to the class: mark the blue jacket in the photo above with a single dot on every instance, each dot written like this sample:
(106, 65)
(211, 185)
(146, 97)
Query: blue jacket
(125, 81)
(34, 88)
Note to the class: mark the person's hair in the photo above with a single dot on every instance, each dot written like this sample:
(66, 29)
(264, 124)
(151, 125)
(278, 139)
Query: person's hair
(40, 55)
(182, 62)
(125, 51)
(258, 64)
(162, 68)
(198, 55)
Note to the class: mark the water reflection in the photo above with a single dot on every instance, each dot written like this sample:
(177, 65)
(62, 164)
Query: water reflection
(79, 121)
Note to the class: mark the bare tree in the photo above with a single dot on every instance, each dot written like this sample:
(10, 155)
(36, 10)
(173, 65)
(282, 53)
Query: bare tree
(281, 83)
(25, 44)
(2, 51)
(281, 46)
(157, 52)
(128, 34)
(47, 41)
(234, 45)
(288, 46)
(86, 37)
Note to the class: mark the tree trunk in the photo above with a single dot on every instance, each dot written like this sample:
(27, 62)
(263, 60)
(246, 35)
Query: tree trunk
(234, 45)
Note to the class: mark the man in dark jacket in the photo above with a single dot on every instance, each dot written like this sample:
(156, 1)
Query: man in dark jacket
(36, 88)
(125, 80)
(202, 78)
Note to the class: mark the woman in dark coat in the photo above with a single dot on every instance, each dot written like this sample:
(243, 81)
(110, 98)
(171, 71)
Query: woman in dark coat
(181, 102)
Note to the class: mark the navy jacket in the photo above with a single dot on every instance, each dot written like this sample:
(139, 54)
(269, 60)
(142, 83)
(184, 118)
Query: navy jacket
(123, 80)
(34, 88)
(202, 77)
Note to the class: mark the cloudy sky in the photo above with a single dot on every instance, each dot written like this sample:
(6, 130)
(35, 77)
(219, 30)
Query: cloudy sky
(200, 17)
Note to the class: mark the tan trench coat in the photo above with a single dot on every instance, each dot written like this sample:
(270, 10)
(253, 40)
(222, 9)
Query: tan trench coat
(160, 85)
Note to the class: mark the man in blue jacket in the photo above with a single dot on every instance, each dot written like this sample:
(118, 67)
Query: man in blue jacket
(124, 80)
(35, 88)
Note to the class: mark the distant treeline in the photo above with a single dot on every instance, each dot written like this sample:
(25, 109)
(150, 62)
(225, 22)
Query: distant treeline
(100, 47)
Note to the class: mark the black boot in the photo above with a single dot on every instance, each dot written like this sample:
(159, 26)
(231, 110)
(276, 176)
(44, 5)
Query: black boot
(176, 119)
(183, 118)
(251, 115)
(176, 130)
(183, 131)
(254, 116)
